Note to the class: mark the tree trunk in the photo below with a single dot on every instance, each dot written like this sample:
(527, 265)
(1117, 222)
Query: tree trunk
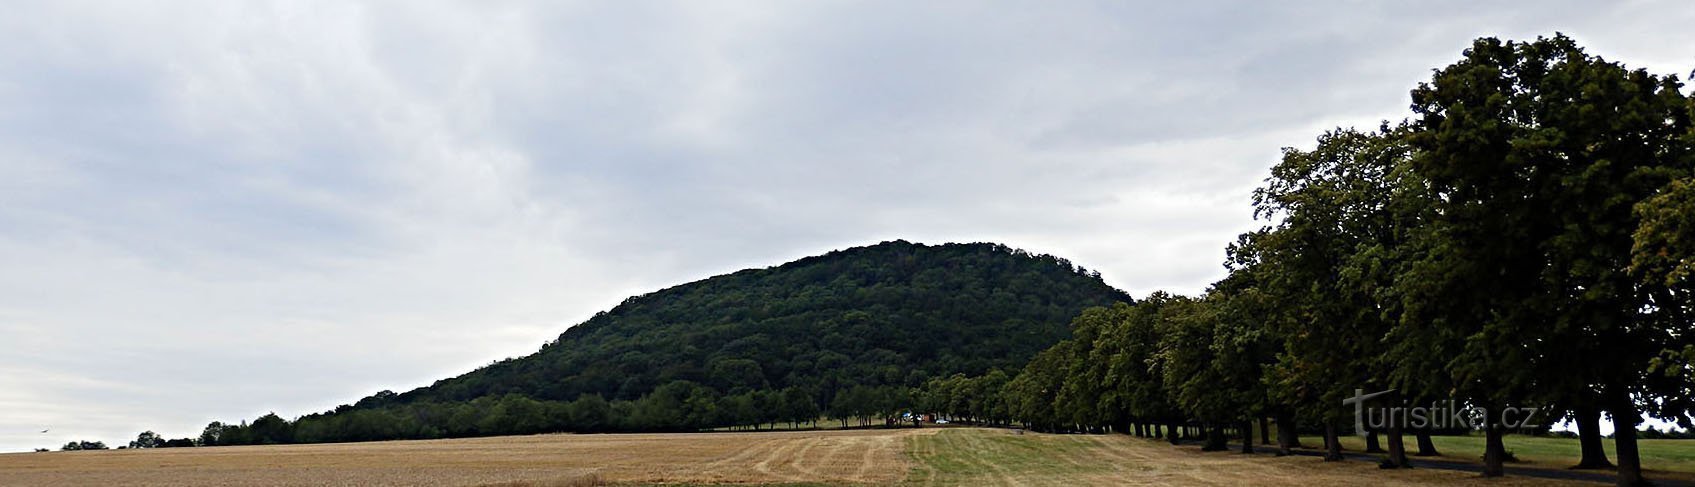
(1494, 452)
(1371, 445)
(1588, 421)
(1332, 444)
(1426, 448)
(1397, 448)
(1171, 432)
(1287, 437)
(1625, 419)
(1264, 431)
(1248, 435)
(1215, 440)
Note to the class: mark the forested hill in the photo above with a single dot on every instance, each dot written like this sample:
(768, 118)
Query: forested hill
(895, 313)
(850, 334)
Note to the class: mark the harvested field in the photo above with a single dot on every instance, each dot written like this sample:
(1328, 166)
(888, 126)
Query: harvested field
(932, 456)
(999, 457)
(778, 457)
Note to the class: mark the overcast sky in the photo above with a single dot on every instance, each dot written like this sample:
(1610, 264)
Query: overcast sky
(213, 210)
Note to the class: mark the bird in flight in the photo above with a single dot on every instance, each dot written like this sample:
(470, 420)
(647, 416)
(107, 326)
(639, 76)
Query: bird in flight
(44, 431)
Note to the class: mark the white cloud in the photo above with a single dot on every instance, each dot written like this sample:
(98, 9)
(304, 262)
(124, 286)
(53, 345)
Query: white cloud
(213, 210)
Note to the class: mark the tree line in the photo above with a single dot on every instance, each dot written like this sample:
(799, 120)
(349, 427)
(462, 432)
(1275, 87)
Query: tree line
(1524, 239)
(147, 439)
(674, 407)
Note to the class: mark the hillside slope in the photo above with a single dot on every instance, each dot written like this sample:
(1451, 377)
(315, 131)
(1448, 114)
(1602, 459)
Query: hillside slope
(880, 320)
(895, 313)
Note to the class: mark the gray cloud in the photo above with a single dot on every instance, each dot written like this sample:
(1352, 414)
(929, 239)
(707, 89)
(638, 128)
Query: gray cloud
(214, 210)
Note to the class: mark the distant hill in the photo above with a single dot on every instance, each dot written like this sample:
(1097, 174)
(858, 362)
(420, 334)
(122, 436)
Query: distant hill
(888, 316)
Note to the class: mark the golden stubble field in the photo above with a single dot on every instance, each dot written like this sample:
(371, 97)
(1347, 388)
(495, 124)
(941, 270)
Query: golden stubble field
(823, 456)
(949, 456)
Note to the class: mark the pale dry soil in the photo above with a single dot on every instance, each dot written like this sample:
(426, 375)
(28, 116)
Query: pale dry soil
(950, 456)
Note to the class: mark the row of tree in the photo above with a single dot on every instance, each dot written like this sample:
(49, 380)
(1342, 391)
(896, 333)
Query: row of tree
(677, 406)
(147, 439)
(1524, 240)
(79, 446)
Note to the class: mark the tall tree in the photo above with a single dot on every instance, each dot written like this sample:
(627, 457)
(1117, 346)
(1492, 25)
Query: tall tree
(1134, 374)
(1244, 346)
(1083, 398)
(1328, 207)
(1030, 395)
(147, 439)
(1187, 333)
(1537, 153)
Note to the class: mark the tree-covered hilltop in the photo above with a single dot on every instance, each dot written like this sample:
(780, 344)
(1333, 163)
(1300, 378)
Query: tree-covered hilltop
(895, 313)
(850, 333)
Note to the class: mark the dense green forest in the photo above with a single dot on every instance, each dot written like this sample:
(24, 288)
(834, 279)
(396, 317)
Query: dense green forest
(1525, 239)
(850, 333)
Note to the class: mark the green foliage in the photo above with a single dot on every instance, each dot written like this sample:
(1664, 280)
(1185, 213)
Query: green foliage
(1155, 361)
(968, 399)
(83, 445)
(147, 439)
(890, 314)
(1317, 273)
(1663, 252)
(1134, 373)
(1538, 153)
(1663, 262)
(1031, 397)
(855, 330)
(212, 435)
(1212, 358)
